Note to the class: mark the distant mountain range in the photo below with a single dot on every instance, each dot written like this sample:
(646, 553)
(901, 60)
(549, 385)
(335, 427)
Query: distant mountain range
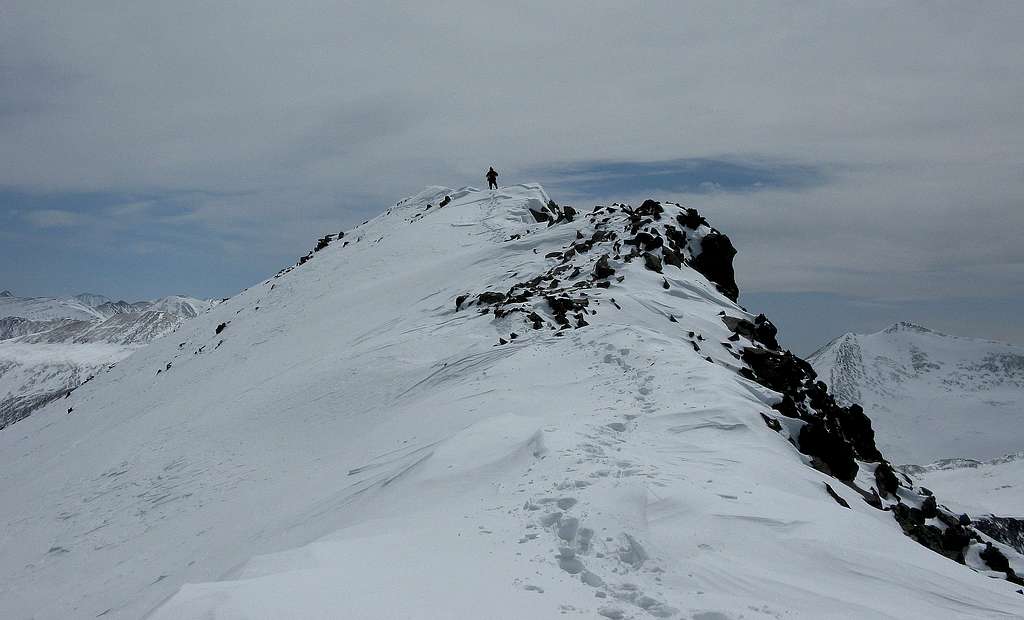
(51, 345)
(930, 396)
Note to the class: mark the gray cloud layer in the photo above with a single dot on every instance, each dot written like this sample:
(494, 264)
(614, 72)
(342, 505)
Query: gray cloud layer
(278, 120)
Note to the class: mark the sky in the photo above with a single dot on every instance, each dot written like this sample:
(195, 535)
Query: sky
(867, 159)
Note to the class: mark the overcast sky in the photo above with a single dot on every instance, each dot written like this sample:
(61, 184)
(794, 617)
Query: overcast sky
(866, 159)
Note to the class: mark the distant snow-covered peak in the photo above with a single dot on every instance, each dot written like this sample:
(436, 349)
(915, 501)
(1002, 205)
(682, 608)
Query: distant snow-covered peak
(906, 326)
(931, 395)
(6, 293)
(91, 299)
(187, 307)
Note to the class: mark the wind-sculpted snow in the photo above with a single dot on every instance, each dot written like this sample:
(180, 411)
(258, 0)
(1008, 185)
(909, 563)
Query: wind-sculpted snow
(495, 408)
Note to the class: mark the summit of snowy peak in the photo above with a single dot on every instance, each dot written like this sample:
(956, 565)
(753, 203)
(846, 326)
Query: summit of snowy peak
(181, 305)
(479, 403)
(91, 299)
(907, 326)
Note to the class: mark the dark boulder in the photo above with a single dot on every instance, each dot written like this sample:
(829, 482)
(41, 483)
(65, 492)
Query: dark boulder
(651, 208)
(886, 480)
(954, 539)
(645, 241)
(929, 507)
(912, 522)
(995, 558)
(787, 406)
(671, 258)
(857, 429)
(602, 269)
(765, 332)
(491, 297)
(782, 372)
(691, 219)
(652, 261)
(761, 330)
(997, 561)
(540, 216)
(771, 423)
(815, 440)
(715, 263)
(839, 500)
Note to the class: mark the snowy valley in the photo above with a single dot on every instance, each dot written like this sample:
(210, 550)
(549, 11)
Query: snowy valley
(49, 346)
(482, 405)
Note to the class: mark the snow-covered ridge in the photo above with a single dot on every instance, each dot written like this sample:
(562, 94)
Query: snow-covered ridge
(930, 395)
(497, 408)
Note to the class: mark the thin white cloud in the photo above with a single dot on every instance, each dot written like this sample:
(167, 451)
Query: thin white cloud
(278, 121)
(53, 218)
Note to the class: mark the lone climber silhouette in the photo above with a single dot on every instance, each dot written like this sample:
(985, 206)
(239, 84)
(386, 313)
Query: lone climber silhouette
(492, 178)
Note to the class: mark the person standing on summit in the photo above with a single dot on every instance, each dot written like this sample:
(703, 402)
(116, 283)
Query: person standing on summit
(492, 178)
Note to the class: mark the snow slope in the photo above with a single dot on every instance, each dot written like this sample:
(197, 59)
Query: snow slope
(365, 436)
(49, 345)
(931, 396)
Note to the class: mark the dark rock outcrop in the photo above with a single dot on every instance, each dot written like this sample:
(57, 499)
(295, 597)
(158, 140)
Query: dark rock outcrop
(832, 493)
(715, 263)
(602, 269)
(652, 261)
(540, 216)
(998, 562)
(492, 297)
(691, 219)
(886, 480)
(760, 330)
(836, 455)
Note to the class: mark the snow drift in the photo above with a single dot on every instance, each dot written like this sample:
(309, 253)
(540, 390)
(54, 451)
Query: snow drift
(498, 408)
